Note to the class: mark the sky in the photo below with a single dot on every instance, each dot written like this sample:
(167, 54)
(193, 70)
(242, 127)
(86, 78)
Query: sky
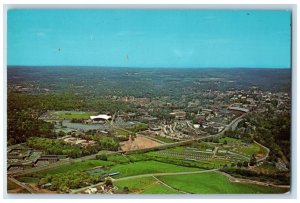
(150, 38)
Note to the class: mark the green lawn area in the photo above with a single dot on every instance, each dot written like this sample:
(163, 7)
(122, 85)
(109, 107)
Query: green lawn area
(28, 179)
(145, 185)
(205, 145)
(74, 114)
(118, 158)
(74, 167)
(164, 139)
(249, 150)
(121, 132)
(159, 188)
(229, 140)
(214, 183)
(145, 167)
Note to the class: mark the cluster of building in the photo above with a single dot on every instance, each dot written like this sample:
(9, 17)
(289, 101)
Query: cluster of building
(21, 158)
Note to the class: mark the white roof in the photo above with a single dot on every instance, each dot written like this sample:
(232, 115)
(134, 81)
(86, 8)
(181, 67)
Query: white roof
(101, 116)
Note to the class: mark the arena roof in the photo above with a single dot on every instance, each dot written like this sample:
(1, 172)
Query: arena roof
(100, 116)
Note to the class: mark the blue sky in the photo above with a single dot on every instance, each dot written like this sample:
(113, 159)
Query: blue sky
(149, 38)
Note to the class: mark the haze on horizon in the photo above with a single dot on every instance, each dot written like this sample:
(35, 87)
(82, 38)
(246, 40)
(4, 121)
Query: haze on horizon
(150, 38)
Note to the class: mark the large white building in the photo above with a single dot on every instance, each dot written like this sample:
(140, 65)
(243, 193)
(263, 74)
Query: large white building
(100, 117)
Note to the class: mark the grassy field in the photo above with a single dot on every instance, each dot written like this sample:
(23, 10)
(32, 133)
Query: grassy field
(249, 150)
(118, 158)
(74, 114)
(121, 132)
(159, 188)
(229, 140)
(214, 183)
(146, 185)
(164, 139)
(28, 179)
(74, 167)
(145, 167)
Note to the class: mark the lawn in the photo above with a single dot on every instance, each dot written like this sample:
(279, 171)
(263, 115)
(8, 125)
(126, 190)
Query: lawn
(118, 158)
(26, 179)
(164, 139)
(229, 140)
(249, 150)
(121, 132)
(145, 185)
(135, 185)
(159, 188)
(214, 183)
(145, 167)
(74, 167)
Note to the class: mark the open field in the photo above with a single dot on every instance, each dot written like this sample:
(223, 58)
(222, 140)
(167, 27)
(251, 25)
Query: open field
(159, 188)
(26, 179)
(215, 183)
(145, 167)
(145, 185)
(140, 142)
(164, 139)
(229, 140)
(68, 115)
(121, 132)
(249, 150)
(74, 167)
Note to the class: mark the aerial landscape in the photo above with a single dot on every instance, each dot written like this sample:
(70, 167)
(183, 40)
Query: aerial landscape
(180, 104)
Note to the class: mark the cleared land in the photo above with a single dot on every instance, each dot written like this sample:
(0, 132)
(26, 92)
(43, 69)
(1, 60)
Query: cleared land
(140, 142)
(215, 183)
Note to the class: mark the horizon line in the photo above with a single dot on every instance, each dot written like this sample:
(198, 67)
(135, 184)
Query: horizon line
(96, 66)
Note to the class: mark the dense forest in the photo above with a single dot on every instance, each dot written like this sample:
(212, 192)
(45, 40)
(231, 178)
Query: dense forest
(274, 131)
(23, 111)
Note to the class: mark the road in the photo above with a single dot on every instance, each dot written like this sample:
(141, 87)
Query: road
(266, 155)
(167, 145)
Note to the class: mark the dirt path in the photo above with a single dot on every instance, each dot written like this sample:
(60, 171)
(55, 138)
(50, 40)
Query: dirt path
(266, 148)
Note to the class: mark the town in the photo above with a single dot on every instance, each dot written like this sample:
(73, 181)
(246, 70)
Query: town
(141, 144)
